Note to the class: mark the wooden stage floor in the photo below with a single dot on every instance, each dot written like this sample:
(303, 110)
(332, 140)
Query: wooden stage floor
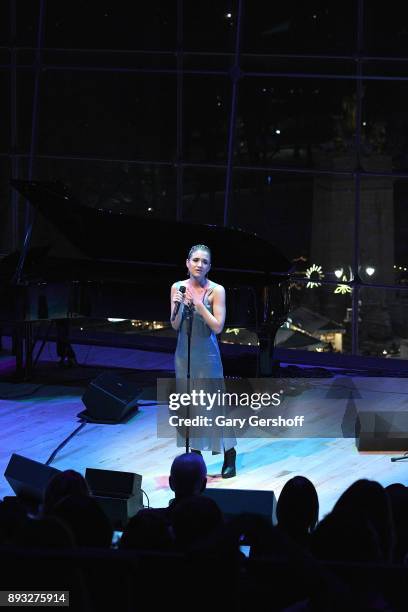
(35, 418)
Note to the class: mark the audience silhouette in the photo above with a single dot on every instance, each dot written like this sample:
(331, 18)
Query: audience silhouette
(368, 527)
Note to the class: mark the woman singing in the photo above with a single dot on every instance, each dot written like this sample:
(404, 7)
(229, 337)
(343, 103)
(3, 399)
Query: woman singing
(204, 300)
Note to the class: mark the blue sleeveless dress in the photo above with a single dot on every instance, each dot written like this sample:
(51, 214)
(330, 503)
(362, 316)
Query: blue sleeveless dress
(205, 362)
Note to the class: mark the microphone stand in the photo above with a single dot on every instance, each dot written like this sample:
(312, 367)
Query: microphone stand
(403, 457)
(189, 323)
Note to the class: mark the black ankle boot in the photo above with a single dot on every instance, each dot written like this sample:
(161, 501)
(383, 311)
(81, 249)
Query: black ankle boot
(228, 467)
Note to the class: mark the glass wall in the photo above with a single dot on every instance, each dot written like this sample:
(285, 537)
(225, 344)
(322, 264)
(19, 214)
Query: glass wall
(288, 120)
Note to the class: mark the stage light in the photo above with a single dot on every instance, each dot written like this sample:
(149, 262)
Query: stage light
(338, 272)
(314, 273)
(370, 271)
(342, 289)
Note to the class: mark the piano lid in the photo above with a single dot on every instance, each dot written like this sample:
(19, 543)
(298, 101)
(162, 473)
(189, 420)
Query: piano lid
(99, 235)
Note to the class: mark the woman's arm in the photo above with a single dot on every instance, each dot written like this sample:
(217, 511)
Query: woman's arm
(176, 296)
(216, 320)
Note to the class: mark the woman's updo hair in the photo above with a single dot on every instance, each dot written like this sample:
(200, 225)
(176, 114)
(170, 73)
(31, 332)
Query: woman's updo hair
(198, 247)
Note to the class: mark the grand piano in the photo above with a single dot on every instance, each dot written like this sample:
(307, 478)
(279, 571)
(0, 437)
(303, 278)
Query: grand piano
(78, 261)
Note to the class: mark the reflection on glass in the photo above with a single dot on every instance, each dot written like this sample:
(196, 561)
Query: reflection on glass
(300, 27)
(295, 122)
(383, 323)
(203, 195)
(319, 319)
(309, 219)
(206, 109)
(119, 115)
(143, 190)
(384, 116)
(209, 25)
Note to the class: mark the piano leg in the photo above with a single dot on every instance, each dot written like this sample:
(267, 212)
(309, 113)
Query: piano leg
(273, 307)
(23, 349)
(29, 349)
(64, 349)
(18, 349)
(24, 344)
(266, 364)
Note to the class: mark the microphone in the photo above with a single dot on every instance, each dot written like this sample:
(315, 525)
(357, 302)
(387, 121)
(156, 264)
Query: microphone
(178, 304)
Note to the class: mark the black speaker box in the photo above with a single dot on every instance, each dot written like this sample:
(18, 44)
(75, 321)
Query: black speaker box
(109, 399)
(382, 431)
(28, 478)
(119, 494)
(237, 501)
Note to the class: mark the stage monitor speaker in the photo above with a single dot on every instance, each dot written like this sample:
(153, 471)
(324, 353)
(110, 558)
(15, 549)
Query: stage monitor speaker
(119, 494)
(237, 501)
(109, 399)
(28, 478)
(382, 431)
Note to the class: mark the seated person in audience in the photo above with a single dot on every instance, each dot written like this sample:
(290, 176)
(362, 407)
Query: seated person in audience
(12, 518)
(87, 521)
(398, 495)
(188, 477)
(62, 485)
(368, 500)
(350, 537)
(147, 531)
(346, 538)
(297, 510)
(196, 521)
(46, 532)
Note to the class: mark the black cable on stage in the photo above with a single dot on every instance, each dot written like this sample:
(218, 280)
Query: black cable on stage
(147, 497)
(402, 458)
(11, 397)
(64, 442)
